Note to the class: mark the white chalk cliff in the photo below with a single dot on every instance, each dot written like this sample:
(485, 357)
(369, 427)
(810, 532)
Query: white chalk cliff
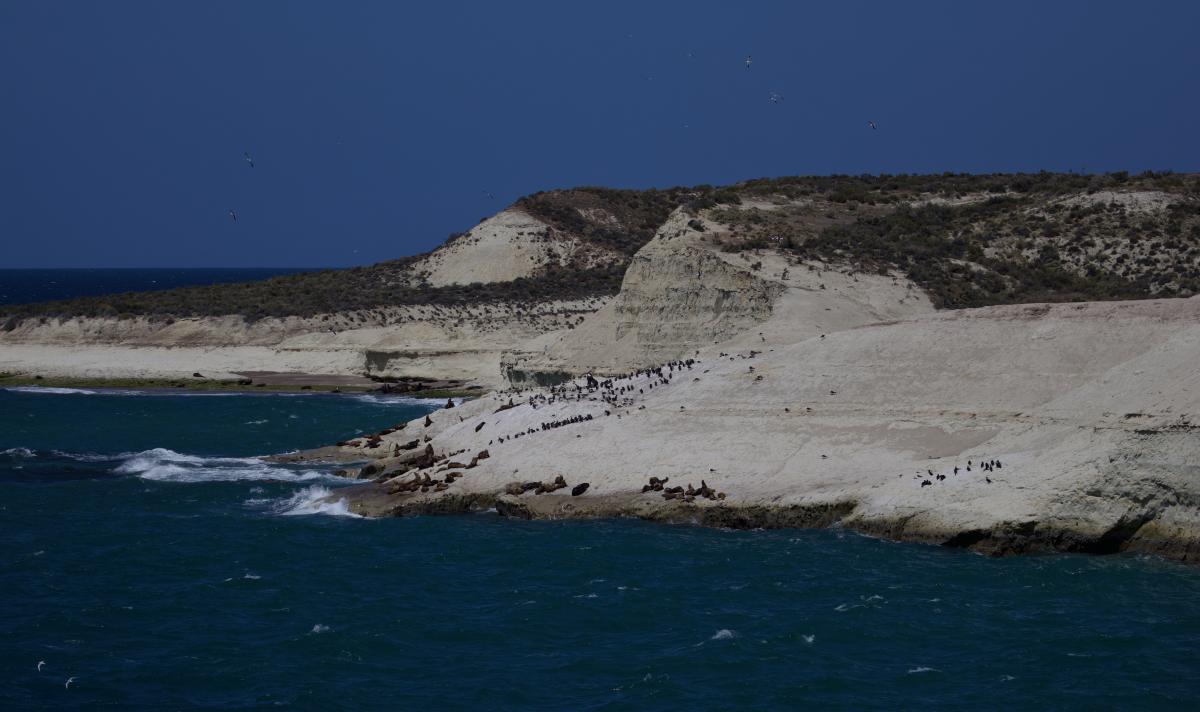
(829, 397)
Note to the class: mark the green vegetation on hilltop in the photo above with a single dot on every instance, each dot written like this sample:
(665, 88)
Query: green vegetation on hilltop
(973, 241)
(969, 240)
(621, 220)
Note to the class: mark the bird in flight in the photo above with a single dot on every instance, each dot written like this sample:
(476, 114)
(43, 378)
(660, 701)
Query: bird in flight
(248, 158)
(775, 97)
(749, 61)
(41, 664)
(872, 125)
(68, 685)
(232, 215)
(488, 193)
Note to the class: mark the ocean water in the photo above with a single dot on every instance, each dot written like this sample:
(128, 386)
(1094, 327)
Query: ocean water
(20, 286)
(148, 561)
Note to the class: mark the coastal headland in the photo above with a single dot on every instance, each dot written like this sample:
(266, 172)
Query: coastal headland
(999, 363)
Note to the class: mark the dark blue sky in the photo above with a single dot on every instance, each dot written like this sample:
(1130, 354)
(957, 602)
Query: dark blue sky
(376, 128)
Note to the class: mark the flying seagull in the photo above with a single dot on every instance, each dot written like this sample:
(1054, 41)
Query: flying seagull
(749, 61)
(69, 681)
(41, 664)
(248, 158)
(488, 193)
(872, 125)
(775, 97)
(233, 215)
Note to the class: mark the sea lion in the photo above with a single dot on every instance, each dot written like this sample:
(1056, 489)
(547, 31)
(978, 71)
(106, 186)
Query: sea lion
(579, 489)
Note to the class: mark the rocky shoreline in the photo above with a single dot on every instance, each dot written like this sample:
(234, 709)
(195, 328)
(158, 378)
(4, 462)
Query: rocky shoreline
(373, 500)
(869, 428)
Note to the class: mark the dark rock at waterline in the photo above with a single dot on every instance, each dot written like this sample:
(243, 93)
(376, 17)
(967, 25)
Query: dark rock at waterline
(579, 489)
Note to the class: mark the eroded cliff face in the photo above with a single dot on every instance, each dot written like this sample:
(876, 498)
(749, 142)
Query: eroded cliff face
(682, 294)
(459, 343)
(509, 245)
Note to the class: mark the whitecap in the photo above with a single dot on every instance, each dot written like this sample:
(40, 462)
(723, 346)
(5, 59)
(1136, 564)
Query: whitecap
(166, 465)
(318, 629)
(315, 499)
(724, 634)
(256, 422)
(17, 452)
(916, 670)
(252, 577)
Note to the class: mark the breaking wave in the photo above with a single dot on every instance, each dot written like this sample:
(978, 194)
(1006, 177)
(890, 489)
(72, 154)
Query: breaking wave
(314, 499)
(166, 465)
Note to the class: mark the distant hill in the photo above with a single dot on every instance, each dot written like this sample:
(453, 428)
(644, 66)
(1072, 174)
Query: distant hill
(968, 240)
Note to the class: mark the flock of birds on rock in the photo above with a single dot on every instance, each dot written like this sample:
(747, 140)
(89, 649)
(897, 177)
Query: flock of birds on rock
(930, 477)
(616, 392)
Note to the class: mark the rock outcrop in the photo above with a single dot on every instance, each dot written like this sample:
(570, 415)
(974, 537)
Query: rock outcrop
(681, 293)
(1092, 412)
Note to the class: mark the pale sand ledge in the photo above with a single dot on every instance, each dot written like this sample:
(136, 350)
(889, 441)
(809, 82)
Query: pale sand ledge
(457, 343)
(1090, 408)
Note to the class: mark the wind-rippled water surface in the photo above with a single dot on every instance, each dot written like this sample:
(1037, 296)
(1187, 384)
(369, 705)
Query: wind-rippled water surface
(151, 560)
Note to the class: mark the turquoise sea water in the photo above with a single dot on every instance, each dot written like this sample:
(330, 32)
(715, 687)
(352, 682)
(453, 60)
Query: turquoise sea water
(146, 558)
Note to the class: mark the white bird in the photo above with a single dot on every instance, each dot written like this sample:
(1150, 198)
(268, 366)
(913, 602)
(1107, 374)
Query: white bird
(248, 158)
(775, 97)
(809, 638)
(749, 61)
(69, 681)
(41, 664)
(871, 124)
(232, 215)
(488, 193)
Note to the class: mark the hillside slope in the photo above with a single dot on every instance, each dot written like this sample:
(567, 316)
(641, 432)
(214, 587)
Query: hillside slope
(788, 257)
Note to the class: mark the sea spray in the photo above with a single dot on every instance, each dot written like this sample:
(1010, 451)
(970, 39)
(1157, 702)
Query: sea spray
(166, 465)
(315, 499)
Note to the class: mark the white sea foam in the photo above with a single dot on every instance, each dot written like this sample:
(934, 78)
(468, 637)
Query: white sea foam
(917, 670)
(17, 452)
(318, 629)
(166, 465)
(315, 499)
(50, 390)
(90, 456)
(390, 400)
(724, 634)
